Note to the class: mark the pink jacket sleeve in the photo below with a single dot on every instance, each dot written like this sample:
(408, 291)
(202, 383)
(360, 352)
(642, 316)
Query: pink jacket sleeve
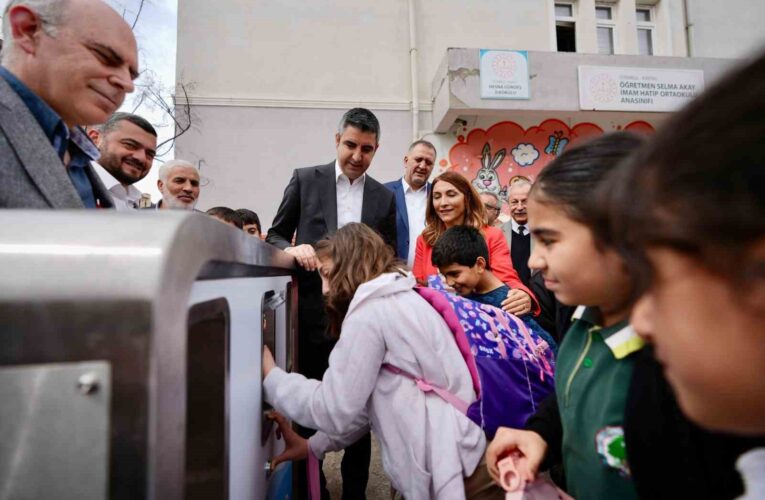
(502, 264)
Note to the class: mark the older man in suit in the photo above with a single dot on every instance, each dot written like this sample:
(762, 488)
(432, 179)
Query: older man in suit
(516, 230)
(65, 63)
(411, 192)
(316, 202)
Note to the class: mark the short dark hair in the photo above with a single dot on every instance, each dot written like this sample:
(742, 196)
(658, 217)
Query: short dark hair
(226, 214)
(460, 245)
(698, 188)
(571, 181)
(423, 142)
(362, 119)
(136, 120)
(249, 217)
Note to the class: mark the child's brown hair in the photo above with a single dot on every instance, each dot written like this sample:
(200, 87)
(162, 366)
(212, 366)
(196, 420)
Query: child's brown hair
(358, 254)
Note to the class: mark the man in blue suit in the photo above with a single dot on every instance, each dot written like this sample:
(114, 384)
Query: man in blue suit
(412, 196)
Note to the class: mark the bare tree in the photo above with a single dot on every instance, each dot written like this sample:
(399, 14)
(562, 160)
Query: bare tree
(169, 105)
(138, 14)
(173, 104)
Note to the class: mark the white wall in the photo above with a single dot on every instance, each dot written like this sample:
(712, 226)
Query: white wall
(726, 28)
(339, 49)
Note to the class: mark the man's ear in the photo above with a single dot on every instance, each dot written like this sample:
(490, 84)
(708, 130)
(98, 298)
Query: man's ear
(95, 136)
(160, 185)
(26, 28)
(337, 140)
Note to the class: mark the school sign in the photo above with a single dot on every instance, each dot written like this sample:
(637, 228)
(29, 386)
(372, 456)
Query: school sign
(606, 88)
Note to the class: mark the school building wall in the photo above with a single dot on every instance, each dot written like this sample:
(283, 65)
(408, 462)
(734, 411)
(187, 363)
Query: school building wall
(269, 80)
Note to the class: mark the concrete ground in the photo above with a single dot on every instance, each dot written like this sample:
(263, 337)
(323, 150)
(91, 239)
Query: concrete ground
(378, 487)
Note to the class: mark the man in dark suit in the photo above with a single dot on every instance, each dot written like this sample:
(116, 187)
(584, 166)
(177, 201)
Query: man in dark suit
(317, 201)
(64, 64)
(412, 192)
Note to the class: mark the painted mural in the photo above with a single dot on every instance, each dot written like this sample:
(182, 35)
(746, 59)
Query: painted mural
(491, 158)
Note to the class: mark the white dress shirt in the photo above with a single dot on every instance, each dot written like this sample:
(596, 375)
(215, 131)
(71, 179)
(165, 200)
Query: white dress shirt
(125, 198)
(517, 227)
(416, 204)
(350, 197)
(751, 466)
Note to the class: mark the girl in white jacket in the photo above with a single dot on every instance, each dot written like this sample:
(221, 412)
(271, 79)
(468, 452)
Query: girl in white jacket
(429, 449)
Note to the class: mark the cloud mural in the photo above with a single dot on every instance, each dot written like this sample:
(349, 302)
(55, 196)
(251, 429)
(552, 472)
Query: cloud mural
(525, 154)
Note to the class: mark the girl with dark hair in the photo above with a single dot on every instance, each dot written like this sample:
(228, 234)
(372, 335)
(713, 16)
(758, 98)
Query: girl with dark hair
(583, 424)
(453, 201)
(690, 214)
(614, 423)
(429, 449)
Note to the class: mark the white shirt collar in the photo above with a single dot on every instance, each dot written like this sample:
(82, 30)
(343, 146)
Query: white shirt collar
(516, 226)
(107, 178)
(409, 189)
(123, 196)
(340, 175)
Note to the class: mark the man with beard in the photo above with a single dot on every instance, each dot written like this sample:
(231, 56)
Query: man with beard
(179, 184)
(127, 144)
(412, 196)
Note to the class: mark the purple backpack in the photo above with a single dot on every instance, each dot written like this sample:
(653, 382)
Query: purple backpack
(511, 366)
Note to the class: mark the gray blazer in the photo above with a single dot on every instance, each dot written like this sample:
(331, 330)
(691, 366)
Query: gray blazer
(31, 172)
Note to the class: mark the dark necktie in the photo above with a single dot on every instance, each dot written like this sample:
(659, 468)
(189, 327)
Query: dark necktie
(522, 230)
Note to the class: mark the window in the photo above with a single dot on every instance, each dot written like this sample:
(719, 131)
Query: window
(603, 13)
(604, 16)
(565, 27)
(645, 29)
(565, 10)
(644, 15)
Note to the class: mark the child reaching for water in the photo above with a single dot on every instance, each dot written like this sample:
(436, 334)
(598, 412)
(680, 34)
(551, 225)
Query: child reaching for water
(429, 449)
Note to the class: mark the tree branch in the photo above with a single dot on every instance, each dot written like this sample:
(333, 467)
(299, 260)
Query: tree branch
(140, 8)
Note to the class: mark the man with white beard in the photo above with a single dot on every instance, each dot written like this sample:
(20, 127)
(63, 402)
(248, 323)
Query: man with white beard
(179, 184)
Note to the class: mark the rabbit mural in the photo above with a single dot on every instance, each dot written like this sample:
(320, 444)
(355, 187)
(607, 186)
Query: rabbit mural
(487, 177)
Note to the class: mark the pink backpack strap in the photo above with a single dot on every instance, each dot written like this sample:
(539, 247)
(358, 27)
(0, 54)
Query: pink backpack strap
(426, 386)
(520, 325)
(314, 481)
(442, 305)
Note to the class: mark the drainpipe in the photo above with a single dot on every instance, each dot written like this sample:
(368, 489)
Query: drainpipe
(413, 70)
(688, 28)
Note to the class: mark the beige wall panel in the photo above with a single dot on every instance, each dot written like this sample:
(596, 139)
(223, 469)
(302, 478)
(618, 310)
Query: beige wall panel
(277, 49)
(727, 28)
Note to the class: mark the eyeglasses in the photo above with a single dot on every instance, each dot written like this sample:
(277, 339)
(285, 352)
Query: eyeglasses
(492, 207)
